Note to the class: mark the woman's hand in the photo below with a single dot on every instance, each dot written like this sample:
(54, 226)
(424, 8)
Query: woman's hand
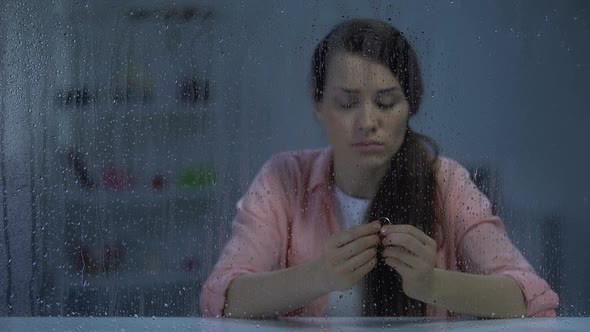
(348, 256)
(412, 254)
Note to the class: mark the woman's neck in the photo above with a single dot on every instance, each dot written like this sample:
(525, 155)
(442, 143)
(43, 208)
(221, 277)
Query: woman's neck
(357, 182)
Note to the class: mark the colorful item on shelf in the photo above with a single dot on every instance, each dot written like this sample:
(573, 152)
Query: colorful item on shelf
(199, 177)
(190, 263)
(193, 91)
(75, 97)
(158, 182)
(78, 165)
(98, 259)
(117, 179)
(131, 85)
(176, 13)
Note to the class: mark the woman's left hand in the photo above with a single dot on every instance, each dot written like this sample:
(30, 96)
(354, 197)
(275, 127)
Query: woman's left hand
(412, 254)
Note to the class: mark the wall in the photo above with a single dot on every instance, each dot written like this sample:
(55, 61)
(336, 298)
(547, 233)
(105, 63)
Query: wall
(505, 86)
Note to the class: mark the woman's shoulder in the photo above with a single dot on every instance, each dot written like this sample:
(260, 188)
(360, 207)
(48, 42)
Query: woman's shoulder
(449, 172)
(298, 165)
(447, 166)
(296, 158)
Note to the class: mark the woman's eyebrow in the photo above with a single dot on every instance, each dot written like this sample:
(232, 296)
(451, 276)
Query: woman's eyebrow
(356, 91)
(388, 90)
(347, 90)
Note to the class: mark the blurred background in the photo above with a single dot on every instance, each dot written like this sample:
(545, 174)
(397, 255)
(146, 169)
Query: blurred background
(129, 129)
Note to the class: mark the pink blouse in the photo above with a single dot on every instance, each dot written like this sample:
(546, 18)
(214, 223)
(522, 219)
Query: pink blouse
(289, 211)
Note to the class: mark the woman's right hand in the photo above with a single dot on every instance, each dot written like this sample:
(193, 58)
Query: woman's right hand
(348, 256)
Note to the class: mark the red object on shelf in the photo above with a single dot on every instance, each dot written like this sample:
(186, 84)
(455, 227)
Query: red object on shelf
(116, 179)
(96, 259)
(189, 263)
(158, 182)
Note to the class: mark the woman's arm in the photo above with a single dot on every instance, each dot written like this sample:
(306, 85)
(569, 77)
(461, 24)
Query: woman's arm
(485, 252)
(412, 254)
(269, 294)
(347, 257)
(492, 296)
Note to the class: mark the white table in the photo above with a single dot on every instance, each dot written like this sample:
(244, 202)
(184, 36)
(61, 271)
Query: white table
(121, 324)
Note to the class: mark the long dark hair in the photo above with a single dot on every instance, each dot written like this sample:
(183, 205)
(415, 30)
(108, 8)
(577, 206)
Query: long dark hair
(407, 192)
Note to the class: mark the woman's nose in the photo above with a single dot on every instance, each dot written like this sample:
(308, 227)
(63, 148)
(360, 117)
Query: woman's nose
(367, 119)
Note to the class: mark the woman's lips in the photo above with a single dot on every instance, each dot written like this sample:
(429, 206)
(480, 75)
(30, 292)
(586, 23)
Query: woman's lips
(368, 147)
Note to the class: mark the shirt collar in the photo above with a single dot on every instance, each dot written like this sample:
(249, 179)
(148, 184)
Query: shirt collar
(321, 172)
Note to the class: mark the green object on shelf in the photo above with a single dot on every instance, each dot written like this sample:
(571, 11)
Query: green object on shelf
(198, 178)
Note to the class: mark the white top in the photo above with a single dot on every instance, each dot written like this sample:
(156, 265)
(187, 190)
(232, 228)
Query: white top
(349, 302)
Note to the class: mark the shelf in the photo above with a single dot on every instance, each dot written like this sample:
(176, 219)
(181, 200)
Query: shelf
(134, 279)
(134, 197)
(141, 110)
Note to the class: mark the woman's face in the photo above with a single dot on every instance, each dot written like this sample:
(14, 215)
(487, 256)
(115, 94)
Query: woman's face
(363, 110)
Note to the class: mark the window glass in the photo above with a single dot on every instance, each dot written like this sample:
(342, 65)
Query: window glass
(129, 131)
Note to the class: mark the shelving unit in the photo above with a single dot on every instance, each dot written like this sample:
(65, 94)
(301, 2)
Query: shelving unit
(138, 197)
(130, 247)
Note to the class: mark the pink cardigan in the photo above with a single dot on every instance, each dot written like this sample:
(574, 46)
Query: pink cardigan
(289, 211)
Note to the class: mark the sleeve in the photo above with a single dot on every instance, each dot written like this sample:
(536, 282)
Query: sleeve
(483, 246)
(258, 239)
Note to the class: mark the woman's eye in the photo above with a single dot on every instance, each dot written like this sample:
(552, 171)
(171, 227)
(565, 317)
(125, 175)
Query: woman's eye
(347, 104)
(387, 102)
(385, 106)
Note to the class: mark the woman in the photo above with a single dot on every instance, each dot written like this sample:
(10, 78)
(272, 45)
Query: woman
(308, 237)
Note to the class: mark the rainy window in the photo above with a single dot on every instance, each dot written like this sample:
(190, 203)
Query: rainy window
(163, 158)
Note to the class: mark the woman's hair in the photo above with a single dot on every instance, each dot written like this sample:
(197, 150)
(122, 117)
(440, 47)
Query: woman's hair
(407, 192)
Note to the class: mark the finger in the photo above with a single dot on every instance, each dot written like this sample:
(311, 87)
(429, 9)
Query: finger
(398, 253)
(402, 268)
(357, 246)
(359, 260)
(407, 241)
(412, 230)
(356, 232)
(364, 269)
